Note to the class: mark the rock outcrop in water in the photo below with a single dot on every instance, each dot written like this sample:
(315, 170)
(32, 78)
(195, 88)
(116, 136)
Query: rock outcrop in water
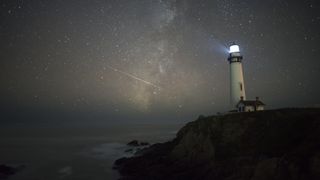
(6, 171)
(136, 143)
(274, 144)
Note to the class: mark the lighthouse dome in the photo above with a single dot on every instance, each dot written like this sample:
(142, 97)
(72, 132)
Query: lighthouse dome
(234, 49)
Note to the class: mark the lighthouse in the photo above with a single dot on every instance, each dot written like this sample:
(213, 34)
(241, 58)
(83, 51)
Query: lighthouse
(237, 90)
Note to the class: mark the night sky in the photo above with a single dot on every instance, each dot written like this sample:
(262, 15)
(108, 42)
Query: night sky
(152, 61)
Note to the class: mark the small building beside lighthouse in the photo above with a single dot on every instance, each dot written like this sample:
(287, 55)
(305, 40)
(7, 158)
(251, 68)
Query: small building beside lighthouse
(237, 89)
(250, 105)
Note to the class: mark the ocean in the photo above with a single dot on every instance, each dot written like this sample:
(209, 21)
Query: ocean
(73, 153)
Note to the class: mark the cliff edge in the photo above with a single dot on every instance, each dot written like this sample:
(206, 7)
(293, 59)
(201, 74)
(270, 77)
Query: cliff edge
(264, 145)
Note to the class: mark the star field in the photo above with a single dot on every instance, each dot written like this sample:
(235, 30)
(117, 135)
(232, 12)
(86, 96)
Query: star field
(55, 57)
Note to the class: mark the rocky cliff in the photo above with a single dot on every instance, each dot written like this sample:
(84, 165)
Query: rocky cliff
(274, 144)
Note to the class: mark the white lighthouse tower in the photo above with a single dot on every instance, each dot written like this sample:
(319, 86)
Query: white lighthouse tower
(237, 90)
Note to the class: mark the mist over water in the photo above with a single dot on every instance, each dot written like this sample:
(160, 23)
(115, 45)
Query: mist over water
(73, 153)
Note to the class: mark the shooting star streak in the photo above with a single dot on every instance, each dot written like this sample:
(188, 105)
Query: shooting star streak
(132, 76)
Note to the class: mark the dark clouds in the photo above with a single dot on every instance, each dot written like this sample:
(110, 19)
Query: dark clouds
(55, 56)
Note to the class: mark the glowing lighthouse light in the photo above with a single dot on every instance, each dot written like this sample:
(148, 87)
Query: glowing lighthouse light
(234, 48)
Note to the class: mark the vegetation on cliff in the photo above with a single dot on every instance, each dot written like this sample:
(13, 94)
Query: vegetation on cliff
(273, 144)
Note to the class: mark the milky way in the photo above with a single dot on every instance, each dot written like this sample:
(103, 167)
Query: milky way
(59, 57)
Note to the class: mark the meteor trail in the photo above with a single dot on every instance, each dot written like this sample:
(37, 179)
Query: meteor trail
(132, 76)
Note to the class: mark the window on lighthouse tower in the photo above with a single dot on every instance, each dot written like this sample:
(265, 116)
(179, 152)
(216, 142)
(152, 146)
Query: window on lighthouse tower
(240, 86)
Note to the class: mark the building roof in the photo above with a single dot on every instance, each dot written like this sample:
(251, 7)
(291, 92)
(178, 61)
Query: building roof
(251, 103)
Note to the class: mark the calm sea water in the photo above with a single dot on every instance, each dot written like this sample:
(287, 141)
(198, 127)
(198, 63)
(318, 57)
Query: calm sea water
(73, 153)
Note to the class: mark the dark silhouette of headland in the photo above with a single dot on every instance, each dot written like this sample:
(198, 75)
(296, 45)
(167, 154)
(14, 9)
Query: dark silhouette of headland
(262, 145)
